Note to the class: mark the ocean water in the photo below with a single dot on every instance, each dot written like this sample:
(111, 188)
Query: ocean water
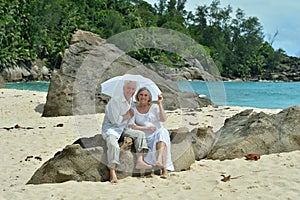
(41, 86)
(252, 94)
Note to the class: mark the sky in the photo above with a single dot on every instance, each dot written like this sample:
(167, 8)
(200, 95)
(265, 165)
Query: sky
(273, 15)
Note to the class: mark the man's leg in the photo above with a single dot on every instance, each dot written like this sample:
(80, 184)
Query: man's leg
(113, 153)
(140, 145)
(112, 174)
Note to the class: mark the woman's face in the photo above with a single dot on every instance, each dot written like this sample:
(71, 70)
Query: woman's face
(144, 96)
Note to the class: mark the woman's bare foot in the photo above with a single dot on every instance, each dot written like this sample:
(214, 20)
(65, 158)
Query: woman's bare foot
(159, 164)
(113, 175)
(164, 173)
(164, 176)
(142, 165)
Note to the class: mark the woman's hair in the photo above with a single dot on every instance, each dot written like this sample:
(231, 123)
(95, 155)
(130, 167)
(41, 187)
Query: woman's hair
(140, 90)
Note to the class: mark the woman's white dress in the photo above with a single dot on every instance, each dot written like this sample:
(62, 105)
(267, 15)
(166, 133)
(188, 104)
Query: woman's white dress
(152, 118)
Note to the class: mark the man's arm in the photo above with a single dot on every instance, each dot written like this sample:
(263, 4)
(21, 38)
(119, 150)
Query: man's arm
(114, 112)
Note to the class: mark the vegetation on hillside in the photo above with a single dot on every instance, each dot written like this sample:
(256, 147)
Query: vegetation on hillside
(41, 29)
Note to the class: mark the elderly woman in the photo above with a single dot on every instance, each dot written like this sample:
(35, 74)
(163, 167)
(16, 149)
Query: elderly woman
(148, 118)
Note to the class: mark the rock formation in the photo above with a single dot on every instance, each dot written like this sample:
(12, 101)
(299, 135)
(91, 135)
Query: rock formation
(245, 133)
(85, 159)
(2, 82)
(249, 132)
(89, 61)
(22, 73)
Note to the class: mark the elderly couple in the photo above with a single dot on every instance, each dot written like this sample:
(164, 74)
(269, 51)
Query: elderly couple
(143, 123)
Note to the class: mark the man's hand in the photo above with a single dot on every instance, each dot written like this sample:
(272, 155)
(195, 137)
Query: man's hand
(128, 115)
(131, 112)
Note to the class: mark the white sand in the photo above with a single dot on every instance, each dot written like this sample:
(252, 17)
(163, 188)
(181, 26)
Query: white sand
(273, 176)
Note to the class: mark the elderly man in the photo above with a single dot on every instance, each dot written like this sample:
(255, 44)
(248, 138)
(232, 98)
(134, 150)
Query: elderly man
(117, 114)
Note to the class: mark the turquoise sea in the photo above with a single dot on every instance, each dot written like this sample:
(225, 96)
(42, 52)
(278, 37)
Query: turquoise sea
(41, 86)
(253, 94)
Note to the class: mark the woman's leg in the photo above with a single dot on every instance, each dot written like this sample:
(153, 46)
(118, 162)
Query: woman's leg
(161, 149)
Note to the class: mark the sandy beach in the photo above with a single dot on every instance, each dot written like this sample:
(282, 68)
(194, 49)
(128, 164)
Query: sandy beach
(25, 149)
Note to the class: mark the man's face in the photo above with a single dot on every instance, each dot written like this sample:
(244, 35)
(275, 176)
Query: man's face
(129, 89)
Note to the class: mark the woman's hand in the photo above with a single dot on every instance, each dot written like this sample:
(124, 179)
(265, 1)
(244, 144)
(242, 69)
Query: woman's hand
(163, 116)
(160, 99)
(152, 128)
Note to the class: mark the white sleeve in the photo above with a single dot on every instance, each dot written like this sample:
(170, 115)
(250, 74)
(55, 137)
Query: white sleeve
(113, 112)
(156, 112)
(132, 120)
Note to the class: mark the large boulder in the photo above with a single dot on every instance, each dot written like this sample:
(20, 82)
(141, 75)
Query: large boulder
(85, 159)
(193, 71)
(89, 61)
(39, 71)
(24, 73)
(15, 73)
(72, 163)
(250, 132)
(181, 149)
(203, 139)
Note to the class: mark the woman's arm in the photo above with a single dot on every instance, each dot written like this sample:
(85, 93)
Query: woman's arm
(132, 125)
(142, 128)
(162, 115)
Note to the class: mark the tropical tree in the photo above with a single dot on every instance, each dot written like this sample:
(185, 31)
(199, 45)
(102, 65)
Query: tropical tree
(14, 34)
(31, 29)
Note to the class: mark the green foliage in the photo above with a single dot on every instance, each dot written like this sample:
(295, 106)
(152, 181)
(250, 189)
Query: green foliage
(235, 43)
(271, 57)
(151, 55)
(14, 45)
(176, 27)
(31, 29)
(52, 24)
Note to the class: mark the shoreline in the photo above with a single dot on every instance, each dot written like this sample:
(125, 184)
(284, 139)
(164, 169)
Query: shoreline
(278, 97)
(275, 175)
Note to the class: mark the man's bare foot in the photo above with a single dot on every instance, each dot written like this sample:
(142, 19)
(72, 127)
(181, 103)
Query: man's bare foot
(113, 180)
(113, 176)
(142, 165)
